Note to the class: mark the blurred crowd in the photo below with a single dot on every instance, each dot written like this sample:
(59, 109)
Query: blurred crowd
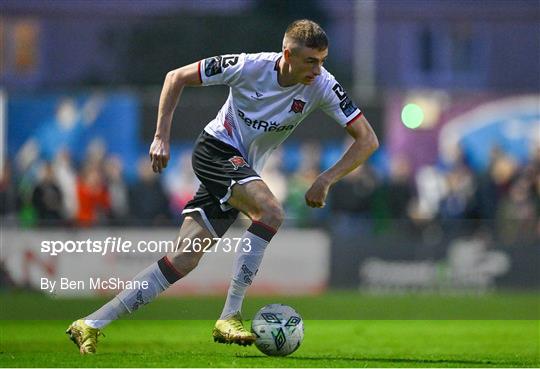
(505, 199)
(448, 200)
(96, 193)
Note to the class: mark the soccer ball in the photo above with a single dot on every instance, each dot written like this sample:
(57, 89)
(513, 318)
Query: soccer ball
(279, 330)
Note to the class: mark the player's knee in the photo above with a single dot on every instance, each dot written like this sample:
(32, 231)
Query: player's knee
(184, 262)
(272, 214)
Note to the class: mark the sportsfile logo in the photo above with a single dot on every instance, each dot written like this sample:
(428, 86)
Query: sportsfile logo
(120, 245)
(271, 126)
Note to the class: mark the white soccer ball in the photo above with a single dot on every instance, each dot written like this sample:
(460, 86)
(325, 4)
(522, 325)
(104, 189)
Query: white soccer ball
(279, 330)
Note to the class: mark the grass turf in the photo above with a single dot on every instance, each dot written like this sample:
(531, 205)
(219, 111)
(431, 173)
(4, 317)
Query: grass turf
(328, 343)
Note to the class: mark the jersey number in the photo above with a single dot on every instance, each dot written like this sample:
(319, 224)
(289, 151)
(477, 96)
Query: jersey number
(345, 103)
(229, 61)
(340, 92)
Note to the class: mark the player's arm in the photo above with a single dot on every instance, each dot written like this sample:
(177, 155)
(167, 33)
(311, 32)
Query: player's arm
(174, 84)
(365, 143)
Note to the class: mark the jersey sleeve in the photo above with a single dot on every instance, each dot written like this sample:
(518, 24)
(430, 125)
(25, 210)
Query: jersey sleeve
(338, 105)
(221, 70)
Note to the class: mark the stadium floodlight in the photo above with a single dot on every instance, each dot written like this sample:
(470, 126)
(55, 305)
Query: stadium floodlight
(412, 116)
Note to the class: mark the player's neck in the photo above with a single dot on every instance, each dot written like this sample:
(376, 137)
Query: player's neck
(284, 77)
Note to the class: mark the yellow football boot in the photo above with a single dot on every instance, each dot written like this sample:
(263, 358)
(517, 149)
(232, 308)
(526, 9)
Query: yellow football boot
(231, 330)
(84, 336)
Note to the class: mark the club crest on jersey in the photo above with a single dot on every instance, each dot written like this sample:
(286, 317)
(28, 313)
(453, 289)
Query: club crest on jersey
(238, 162)
(297, 106)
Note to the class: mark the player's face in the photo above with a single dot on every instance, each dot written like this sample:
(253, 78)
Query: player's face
(306, 64)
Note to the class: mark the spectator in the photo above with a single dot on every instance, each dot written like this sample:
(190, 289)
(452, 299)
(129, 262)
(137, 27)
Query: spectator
(8, 194)
(351, 225)
(397, 192)
(456, 206)
(400, 188)
(392, 198)
(297, 211)
(93, 197)
(353, 196)
(181, 183)
(96, 151)
(299, 214)
(118, 191)
(67, 181)
(493, 186)
(456, 203)
(517, 215)
(149, 204)
(47, 197)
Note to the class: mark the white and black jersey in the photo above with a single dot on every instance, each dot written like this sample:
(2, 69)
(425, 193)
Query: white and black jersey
(259, 114)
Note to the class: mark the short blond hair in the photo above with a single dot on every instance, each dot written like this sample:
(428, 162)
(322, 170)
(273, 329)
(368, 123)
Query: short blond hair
(305, 32)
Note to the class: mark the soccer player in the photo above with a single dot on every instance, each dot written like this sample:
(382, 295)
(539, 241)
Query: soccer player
(269, 95)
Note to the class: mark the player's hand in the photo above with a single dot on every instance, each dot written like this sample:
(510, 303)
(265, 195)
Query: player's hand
(159, 154)
(316, 195)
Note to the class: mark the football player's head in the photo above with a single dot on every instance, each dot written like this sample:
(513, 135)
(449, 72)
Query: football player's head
(305, 48)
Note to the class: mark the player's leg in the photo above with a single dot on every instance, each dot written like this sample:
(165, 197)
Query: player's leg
(254, 199)
(186, 258)
(158, 277)
(232, 185)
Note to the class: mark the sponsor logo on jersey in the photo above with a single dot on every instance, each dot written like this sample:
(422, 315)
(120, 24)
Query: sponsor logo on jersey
(347, 106)
(271, 126)
(345, 103)
(258, 96)
(238, 162)
(216, 64)
(212, 66)
(297, 106)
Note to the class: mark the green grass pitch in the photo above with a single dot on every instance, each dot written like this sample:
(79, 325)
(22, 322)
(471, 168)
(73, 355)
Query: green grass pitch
(464, 339)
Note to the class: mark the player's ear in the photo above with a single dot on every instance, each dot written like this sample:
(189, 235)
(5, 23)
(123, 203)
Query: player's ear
(287, 55)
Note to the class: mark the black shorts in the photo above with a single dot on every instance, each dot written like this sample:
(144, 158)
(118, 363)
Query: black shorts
(218, 166)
